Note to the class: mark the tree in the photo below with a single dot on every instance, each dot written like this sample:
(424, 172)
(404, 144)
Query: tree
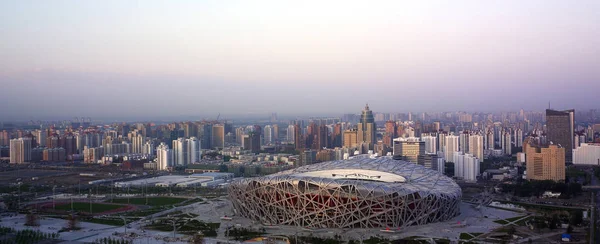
(197, 239)
(32, 220)
(223, 168)
(242, 170)
(576, 218)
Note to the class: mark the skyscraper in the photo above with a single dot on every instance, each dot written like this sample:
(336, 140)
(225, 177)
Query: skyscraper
(218, 136)
(298, 137)
(560, 126)
(390, 133)
(367, 128)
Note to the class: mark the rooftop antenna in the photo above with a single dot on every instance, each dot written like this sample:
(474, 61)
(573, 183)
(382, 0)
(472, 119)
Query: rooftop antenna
(548, 104)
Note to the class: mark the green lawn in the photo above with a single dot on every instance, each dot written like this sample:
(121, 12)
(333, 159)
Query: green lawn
(501, 221)
(523, 220)
(509, 220)
(468, 236)
(152, 201)
(85, 207)
(144, 213)
(113, 222)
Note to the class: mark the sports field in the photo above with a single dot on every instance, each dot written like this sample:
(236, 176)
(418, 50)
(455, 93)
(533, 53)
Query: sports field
(85, 207)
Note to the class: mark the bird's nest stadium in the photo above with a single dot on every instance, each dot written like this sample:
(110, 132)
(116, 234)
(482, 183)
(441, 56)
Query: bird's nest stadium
(354, 193)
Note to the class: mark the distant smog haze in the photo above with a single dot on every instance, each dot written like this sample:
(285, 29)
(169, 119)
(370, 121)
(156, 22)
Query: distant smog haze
(196, 59)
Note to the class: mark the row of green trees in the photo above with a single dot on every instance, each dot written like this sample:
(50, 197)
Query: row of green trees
(110, 240)
(10, 235)
(524, 188)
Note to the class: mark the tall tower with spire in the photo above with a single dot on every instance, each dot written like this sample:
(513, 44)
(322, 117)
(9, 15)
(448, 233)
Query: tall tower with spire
(367, 128)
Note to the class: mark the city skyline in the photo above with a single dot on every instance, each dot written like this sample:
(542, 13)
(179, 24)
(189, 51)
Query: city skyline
(130, 60)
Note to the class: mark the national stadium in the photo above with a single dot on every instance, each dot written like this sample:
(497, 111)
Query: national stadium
(356, 193)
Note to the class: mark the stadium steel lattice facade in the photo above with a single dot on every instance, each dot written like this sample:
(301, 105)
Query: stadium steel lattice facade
(354, 193)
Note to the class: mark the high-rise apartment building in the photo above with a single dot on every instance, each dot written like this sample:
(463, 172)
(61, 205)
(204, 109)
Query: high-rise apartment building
(164, 157)
(463, 141)
(268, 134)
(290, 133)
(350, 139)
(40, 137)
(148, 148)
(137, 143)
(560, 126)
(367, 128)
(545, 163)
(490, 142)
(275, 135)
(466, 166)
(506, 142)
(518, 137)
(450, 147)
(476, 146)
(20, 150)
(193, 150)
(587, 154)
(430, 144)
(180, 152)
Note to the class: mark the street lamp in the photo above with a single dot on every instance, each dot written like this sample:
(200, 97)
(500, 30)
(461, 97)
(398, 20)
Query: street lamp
(124, 223)
(53, 197)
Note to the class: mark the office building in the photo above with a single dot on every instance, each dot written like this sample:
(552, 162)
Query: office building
(560, 130)
(409, 149)
(545, 163)
(290, 133)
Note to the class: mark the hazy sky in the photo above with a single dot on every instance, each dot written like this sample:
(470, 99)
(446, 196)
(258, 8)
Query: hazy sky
(171, 58)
